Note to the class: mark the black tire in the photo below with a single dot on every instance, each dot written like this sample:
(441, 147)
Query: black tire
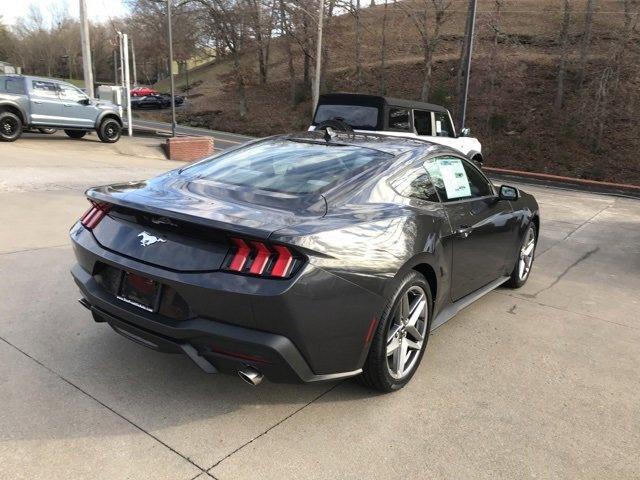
(10, 127)
(77, 134)
(47, 131)
(517, 279)
(376, 372)
(109, 130)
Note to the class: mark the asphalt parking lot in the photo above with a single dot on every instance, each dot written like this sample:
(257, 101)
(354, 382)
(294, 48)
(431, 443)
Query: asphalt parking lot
(539, 383)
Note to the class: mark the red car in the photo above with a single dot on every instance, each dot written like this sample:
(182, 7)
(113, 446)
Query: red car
(143, 91)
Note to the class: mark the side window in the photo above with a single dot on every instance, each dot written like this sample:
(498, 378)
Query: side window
(44, 89)
(399, 119)
(422, 122)
(456, 179)
(12, 85)
(71, 93)
(443, 125)
(415, 183)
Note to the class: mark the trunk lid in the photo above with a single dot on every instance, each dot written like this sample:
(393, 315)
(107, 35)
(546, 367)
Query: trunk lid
(184, 224)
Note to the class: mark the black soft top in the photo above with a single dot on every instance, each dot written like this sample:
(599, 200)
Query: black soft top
(377, 101)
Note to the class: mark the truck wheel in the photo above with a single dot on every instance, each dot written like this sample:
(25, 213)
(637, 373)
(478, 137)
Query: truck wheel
(75, 133)
(109, 130)
(10, 127)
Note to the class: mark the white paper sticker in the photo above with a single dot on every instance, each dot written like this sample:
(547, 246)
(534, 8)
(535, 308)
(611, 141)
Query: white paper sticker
(454, 178)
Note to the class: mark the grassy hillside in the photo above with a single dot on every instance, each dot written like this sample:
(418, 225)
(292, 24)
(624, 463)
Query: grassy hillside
(512, 87)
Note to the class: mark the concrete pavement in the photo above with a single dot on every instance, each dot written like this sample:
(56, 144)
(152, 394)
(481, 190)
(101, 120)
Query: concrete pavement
(540, 382)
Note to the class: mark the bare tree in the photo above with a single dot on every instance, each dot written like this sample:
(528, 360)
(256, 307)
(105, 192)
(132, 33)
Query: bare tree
(429, 39)
(383, 48)
(564, 54)
(586, 41)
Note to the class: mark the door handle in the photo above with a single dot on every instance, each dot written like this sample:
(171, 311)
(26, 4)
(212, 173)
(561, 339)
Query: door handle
(67, 105)
(464, 231)
(37, 102)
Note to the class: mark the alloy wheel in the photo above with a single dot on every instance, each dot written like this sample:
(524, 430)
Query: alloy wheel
(526, 254)
(9, 126)
(407, 332)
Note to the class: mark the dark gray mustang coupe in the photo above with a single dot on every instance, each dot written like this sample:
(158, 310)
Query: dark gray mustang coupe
(303, 257)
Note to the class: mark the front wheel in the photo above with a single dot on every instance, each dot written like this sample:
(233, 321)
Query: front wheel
(77, 134)
(10, 127)
(526, 255)
(109, 130)
(401, 336)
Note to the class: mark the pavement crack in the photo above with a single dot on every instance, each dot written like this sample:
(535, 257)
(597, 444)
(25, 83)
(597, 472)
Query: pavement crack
(561, 276)
(34, 249)
(274, 426)
(118, 414)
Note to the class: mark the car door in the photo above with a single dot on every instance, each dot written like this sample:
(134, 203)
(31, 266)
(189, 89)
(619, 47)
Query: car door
(483, 227)
(76, 111)
(44, 102)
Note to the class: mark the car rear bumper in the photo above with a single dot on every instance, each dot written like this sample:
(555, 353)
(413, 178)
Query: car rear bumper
(302, 331)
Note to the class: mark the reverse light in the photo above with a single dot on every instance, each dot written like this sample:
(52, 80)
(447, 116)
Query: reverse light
(95, 214)
(261, 259)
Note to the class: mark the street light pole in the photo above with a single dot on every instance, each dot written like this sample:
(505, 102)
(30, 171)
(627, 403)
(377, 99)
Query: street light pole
(86, 49)
(173, 100)
(316, 83)
(471, 31)
(133, 62)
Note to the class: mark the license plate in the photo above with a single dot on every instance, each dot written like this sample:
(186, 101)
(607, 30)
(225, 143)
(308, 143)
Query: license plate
(139, 291)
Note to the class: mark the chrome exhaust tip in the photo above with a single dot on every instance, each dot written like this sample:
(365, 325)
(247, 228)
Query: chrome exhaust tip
(250, 375)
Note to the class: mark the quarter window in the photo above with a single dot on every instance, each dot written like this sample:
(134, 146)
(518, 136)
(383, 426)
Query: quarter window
(399, 119)
(456, 179)
(415, 184)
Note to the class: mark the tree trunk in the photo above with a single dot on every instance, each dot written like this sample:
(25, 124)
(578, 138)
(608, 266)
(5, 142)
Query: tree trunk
(358, 46)
(326, 58)
(306, 67)
(462, 64)
(242, 94)
(564, 53)
(586, 40)
(428, 67)
(383, 49)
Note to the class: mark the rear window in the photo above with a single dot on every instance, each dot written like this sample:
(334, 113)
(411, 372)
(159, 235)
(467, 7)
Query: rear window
(12, 85)
(288, 166)
(358, 116)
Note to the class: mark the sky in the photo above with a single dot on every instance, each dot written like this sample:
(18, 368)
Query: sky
(98, 10)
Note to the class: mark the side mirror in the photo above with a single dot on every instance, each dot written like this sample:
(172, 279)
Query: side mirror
(84, 101)
(465, 132)
(508, 193)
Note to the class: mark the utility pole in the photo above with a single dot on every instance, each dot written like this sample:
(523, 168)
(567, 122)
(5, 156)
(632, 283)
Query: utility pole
(133, 61)
(173, 86)
(471, 33)
(316, 82)
(127, 82)
(86, 49)
(115, 67)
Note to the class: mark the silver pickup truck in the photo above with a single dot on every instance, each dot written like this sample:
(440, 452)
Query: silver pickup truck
(34, 102)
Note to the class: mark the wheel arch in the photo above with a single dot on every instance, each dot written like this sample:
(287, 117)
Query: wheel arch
(107, 115)
(8, 107)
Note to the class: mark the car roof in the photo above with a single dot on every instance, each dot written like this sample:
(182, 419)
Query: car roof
(391, 144)
(346, 98)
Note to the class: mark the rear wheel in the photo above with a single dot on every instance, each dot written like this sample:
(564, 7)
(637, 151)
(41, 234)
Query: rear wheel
(75, 133)
(401, 336)
(10, 127)
(526, 255)
(109, 130)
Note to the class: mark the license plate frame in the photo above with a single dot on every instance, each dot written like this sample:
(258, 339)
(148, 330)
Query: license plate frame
(139, 291)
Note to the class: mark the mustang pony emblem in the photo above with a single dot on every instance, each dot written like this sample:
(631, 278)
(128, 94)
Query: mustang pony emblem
(147, 239)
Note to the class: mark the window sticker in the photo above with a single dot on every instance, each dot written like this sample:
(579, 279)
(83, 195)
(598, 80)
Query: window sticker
(438, 126)
(454, 178)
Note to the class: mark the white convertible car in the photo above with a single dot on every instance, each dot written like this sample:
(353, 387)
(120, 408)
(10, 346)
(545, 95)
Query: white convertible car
(393, 116)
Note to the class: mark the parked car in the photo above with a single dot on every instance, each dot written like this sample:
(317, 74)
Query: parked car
(143, 91)
(303, 257)
(394, 116)
(44, 103)
(154, 101)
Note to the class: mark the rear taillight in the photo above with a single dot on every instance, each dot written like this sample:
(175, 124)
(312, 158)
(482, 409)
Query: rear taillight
(95, 214)
(261, 259)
